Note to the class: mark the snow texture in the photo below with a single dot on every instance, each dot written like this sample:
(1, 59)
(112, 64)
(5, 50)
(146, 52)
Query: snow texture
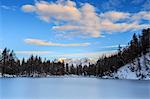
(138, 69)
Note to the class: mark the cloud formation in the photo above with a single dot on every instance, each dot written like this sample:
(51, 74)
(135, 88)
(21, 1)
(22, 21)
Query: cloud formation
(45, 43)
(58, 11)
(143, 15)
(115, 46)
(33, 52)
(89, 54)
(13, 8)
(83, 21)
(114, 15)
(93, 55)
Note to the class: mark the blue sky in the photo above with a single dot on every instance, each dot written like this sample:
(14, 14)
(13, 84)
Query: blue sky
(70, 29)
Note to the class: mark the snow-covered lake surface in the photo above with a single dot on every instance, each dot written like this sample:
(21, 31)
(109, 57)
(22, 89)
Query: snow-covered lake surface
(73, 88)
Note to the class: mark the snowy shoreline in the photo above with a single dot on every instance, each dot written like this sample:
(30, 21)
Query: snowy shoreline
(73, 76)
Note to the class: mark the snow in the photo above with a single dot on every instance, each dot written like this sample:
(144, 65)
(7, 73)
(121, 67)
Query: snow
(132, 71)
(7, 75)
(125, 73)
(78, 61)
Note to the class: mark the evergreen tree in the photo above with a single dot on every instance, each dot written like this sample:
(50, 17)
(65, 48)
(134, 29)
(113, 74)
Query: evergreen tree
(145, 41)
(67, 69)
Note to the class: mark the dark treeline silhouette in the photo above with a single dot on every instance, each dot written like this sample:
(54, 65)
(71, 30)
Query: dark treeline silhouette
(36, 67)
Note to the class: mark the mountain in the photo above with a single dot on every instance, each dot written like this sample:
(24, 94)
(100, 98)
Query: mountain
(138, 69)
(78, 61)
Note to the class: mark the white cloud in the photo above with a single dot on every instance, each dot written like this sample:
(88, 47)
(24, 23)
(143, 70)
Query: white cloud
(45, 43)
(93, 55)
(33, 52)
(29, 52)
(13, 8)
(80, 21)
(142, 15)
(89, 54)
(111, 27)
(114, 46)
(59, 11)
(130, 21)
(4, 7)
(114, 15)
(83, 21)
(28, 8)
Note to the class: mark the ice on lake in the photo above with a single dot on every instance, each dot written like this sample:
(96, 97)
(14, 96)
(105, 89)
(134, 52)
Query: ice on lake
(73, 88)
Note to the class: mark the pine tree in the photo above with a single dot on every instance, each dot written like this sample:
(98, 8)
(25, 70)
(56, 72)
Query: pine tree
(145, 40)
(67, 69)
(5, 56)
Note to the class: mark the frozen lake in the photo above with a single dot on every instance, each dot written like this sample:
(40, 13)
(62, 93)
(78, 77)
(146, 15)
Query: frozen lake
(72, 88)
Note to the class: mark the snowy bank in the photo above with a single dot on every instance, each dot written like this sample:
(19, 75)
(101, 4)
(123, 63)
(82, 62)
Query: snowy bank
(139, 69)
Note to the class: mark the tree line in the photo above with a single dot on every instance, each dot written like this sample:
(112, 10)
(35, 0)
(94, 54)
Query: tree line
(34, 66)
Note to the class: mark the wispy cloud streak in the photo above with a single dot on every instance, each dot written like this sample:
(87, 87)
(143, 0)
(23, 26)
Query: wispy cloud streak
(46, 43)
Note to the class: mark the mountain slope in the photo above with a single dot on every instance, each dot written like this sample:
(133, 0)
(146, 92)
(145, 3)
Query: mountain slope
(138, 69)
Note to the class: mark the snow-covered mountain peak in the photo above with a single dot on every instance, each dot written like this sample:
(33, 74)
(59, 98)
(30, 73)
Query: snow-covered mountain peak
(77, 61)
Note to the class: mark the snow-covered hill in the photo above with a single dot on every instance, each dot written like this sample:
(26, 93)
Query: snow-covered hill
(77, 61)
(139, 69)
